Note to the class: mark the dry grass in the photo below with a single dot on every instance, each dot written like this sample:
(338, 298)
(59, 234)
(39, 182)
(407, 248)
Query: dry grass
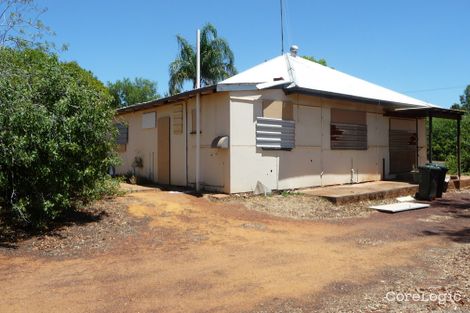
(300, 206)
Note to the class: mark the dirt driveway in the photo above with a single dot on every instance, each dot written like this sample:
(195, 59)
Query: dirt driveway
(192, 255)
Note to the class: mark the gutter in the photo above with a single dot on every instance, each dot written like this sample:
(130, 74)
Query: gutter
(167, 100)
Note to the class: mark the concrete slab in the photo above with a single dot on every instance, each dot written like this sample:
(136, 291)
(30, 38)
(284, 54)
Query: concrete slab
(363, 191)
(463, 183)
(399, 207)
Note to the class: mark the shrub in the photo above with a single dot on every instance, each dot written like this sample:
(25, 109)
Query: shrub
(444, 143)
(56, 136)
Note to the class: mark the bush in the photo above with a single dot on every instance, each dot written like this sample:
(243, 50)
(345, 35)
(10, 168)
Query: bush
(445, 143)
(56, 136)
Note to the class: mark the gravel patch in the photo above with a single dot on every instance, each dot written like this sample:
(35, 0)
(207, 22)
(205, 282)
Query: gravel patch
(440, 284)
(300, 206)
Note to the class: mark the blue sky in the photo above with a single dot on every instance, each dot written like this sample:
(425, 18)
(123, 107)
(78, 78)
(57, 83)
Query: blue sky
(418, 47)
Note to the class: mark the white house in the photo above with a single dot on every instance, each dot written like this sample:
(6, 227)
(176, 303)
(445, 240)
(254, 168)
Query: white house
(287, 123)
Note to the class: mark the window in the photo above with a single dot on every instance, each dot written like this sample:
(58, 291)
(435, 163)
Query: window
(275, 134)
(278, 109)
(276, 129)
(122, 137)
(123, 133)
(348, 130)
(178, 119)
(149, 120)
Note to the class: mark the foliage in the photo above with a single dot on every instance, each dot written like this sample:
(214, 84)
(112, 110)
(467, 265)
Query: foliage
(287, 193)
(127, 92)
(444, 137)
(445, 143)
(56, 136)
(464, 101)
(319, 61)
(20, 26)
(217, 61)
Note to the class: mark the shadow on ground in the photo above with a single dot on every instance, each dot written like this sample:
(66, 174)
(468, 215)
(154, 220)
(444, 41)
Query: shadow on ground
(459, 230)
(13, 232)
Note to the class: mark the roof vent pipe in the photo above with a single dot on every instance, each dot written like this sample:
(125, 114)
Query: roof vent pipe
(293, 50)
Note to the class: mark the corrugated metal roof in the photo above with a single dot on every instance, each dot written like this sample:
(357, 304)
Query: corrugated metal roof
(297, 73)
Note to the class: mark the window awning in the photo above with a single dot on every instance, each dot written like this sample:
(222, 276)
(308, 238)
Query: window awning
(426, 112)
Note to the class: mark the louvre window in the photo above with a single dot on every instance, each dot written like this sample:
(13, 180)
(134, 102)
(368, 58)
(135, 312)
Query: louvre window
(273, 133)
(178, 119)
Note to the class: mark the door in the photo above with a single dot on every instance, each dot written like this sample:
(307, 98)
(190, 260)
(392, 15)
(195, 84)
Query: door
(403, 141)
(163, 164)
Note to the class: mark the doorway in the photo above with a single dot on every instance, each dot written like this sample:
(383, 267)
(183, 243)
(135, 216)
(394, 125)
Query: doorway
(402, 145)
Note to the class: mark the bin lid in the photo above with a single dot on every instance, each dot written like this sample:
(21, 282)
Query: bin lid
(437, 165)
(429, 167)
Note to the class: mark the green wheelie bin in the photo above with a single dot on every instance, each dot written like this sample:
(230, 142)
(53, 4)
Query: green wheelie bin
(441, 177)
(428, 181)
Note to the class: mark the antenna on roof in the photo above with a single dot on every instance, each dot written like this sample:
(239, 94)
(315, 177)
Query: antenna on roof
(282, 26)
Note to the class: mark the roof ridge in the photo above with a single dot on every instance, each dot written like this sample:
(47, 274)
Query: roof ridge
(290, 71)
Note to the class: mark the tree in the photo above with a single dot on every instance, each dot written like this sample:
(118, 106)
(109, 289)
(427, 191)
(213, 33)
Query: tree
(20, 25)
(56, 136)
(319, 61)
(127, 92)
(464, 101)
(444, 137)
(217, 61)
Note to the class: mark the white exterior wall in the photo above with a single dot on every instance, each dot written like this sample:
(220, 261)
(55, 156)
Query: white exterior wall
(214, 166)
(239, 168)
(311, 162)
(142, 142)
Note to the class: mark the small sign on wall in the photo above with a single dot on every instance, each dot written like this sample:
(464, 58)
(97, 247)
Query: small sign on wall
(149, 120)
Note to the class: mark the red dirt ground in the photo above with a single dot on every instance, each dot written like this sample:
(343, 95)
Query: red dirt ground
(199, 256)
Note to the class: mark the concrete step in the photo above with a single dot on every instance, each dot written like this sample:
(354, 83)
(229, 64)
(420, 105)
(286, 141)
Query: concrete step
(364, 191)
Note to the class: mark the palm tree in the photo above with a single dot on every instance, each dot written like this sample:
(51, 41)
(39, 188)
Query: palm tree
(217, 61)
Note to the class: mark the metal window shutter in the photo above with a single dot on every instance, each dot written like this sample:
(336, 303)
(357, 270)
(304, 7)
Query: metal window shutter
(274, 133)
(348, 136)
(123, 134)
